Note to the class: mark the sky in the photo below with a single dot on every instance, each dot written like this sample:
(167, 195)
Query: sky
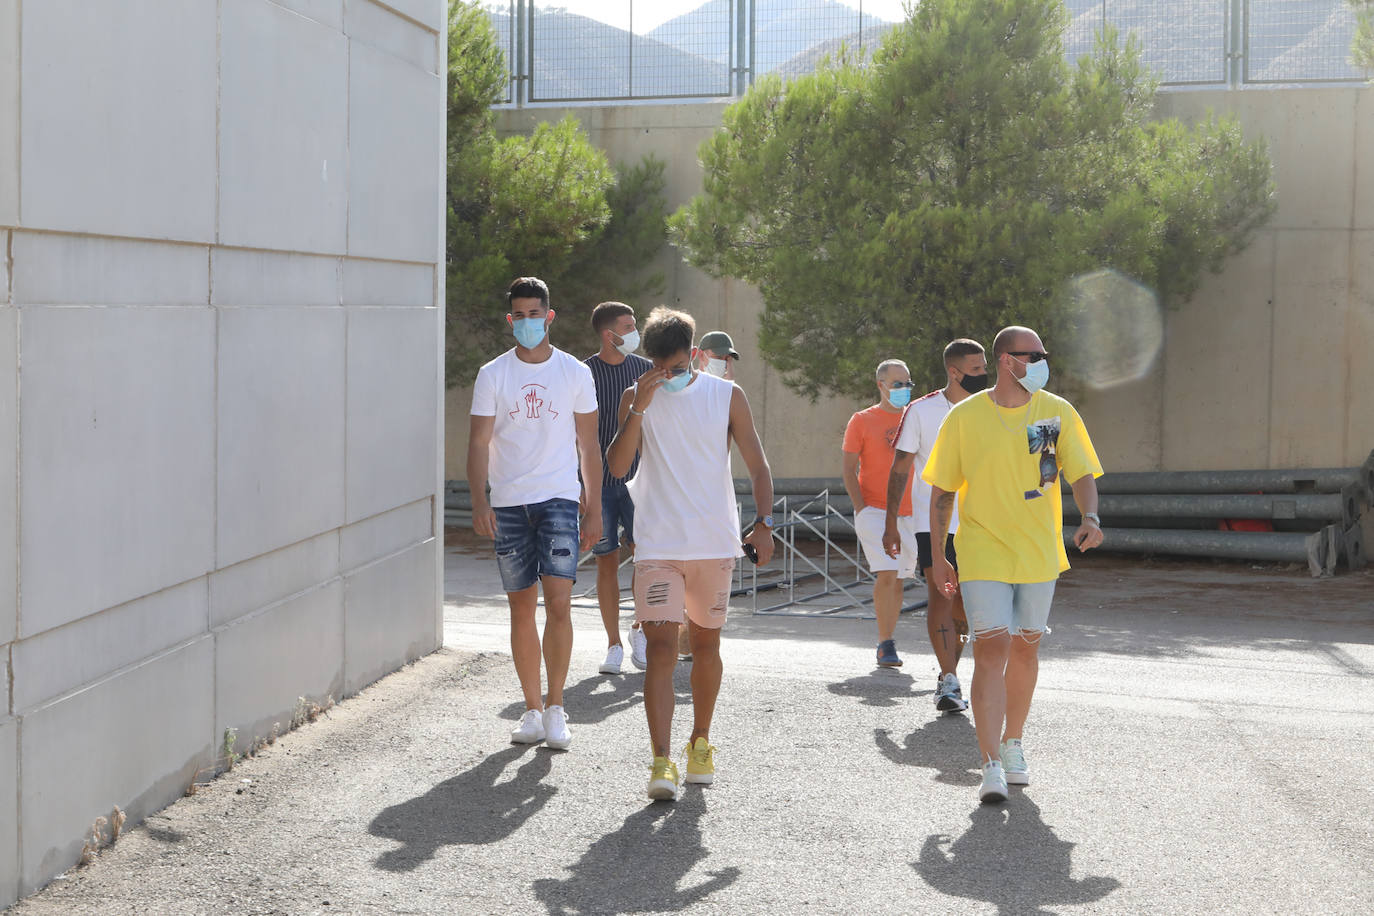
(649, 14)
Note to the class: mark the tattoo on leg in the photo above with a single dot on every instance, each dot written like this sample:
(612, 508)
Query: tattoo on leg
(944, 635)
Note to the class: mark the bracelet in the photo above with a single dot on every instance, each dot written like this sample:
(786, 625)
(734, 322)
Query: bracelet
(637, 413)
(1097, 520)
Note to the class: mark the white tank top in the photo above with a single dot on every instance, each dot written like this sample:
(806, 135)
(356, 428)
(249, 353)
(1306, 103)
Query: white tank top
(684, 495)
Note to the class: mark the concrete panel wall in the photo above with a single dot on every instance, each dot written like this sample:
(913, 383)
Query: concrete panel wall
(280, 75)
(179, 394)
(91, 72)
(9, 120)
(1265, 367)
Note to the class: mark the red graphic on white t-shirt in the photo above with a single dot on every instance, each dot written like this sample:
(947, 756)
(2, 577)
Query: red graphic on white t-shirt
(532, 404)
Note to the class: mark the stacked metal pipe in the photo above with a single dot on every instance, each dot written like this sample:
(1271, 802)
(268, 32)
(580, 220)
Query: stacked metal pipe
(1318, 516)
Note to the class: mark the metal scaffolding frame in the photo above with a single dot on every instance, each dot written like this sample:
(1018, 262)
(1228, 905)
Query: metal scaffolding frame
(806, 580)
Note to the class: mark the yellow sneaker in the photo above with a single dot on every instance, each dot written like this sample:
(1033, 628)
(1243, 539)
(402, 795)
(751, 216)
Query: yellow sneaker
(701, 762)
(663, 780)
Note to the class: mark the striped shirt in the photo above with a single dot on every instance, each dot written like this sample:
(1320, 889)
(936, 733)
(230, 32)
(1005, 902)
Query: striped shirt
(611, 382)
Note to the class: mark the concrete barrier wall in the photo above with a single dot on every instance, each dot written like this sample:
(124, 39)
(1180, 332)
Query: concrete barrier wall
(220, 377)
(1268, 366)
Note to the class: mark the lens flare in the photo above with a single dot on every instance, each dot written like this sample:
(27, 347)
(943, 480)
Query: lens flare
(1116, 328)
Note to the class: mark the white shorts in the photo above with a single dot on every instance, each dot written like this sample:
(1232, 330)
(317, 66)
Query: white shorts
(869, 524)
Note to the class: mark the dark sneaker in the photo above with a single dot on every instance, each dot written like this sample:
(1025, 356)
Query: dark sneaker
(887, 654)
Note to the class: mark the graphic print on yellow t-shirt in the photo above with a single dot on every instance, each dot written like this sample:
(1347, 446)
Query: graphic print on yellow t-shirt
(1005, 465)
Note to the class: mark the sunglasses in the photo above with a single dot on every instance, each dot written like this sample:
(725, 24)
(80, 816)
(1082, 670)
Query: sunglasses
(1032, 356)
(677, 372)
(902, 385)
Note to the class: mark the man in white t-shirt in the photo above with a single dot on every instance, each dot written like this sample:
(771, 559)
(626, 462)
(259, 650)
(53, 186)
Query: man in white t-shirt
(966, 373)
(533, 416)
(681, 421)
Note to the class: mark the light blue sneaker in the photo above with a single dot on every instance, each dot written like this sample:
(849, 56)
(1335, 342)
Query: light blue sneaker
(1014, 763)
(887, 654)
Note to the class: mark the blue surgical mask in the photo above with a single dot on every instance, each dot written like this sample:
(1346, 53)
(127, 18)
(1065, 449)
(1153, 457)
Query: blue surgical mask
(528, 331)
(1037, 374)
(676, 383)
(899, 397)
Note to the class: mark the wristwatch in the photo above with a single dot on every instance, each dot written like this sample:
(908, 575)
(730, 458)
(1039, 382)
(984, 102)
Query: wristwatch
(766, 519)
(1097, 519)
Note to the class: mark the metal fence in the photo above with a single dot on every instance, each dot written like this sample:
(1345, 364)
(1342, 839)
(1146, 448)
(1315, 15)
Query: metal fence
(618, 50)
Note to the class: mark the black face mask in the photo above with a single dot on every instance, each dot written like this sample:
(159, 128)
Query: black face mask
(974, 383)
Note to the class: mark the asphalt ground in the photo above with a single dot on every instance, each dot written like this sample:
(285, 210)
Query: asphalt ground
(1200, 743)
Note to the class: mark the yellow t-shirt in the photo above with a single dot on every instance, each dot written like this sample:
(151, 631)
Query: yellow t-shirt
(1005, 467)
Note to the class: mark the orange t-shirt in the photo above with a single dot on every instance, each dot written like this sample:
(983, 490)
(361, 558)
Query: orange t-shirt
(871, 435)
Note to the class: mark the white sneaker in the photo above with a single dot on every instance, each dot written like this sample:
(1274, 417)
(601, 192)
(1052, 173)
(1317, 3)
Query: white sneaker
(615, 655)
(639, 645)
(556, 731)
(531, 728)
(994, 787)
(1014, 763)
(948, 696)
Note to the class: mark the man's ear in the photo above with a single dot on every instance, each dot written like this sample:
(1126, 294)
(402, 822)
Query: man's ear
(509, 320)
(548, 318)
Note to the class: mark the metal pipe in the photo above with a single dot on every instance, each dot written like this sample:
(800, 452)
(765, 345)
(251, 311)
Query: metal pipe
(1289, 547)
(1328, 507)
(1318, 480)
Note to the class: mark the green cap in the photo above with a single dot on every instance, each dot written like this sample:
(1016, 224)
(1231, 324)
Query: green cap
(718, 342)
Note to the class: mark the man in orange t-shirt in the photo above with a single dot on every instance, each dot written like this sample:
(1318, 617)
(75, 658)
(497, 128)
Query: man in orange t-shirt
(869, 448)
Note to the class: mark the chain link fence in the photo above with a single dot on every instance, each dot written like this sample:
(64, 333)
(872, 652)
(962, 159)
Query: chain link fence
(622, 50)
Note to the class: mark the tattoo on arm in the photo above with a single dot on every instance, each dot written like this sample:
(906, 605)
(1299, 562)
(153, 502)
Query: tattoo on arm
(939, 525)
(896, 486)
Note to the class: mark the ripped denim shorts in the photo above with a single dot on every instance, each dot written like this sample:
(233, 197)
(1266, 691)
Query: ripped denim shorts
(536, 540)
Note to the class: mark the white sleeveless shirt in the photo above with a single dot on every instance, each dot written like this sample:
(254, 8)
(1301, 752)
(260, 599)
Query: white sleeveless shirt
(684, 494)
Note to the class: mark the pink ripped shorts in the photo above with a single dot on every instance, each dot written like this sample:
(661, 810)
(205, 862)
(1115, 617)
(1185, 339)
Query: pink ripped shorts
(667, 591)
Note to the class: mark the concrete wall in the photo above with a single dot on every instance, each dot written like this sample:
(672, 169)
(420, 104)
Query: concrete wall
(1268, 366)
(220, 380)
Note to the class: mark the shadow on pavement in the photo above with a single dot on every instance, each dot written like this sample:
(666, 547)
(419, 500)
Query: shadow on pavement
(593, 699)
(641, 867)
(1011, 859)
(883, 687)
(945, 744)
(471, 808)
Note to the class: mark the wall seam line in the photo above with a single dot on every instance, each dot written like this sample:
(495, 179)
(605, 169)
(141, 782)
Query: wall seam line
(19, 114)
(219, 106)
(18, 465)
(1273, 321)
(108, 676)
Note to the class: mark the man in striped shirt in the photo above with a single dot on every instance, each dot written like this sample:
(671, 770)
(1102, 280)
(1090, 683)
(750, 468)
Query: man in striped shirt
(614, 369)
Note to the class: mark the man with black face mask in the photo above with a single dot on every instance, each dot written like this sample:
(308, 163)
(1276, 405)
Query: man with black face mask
(966, 372)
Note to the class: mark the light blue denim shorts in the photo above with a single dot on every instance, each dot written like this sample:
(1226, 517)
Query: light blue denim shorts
(1021, 609)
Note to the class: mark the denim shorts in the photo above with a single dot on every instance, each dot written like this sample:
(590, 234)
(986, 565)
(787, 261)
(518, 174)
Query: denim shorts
(617, 511)
(536, 540)
(1021, 609)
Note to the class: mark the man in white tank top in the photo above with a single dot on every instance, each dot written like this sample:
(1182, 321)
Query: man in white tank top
(681, 422)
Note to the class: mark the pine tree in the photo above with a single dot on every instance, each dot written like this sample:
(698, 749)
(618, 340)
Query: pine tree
(951, 185)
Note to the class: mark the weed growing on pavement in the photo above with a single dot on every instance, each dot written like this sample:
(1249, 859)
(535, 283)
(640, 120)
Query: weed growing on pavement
(308, 710)
(97, 838)
(231, 736)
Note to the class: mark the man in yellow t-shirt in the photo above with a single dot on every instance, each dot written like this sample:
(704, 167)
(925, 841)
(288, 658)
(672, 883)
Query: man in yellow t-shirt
(1002, 453)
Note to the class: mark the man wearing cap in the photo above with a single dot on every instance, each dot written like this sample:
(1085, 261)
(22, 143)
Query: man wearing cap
(716, 355)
